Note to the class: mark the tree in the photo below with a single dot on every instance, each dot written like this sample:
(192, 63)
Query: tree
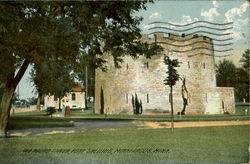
(244, 76)
(70, 32)
(29, 33)
(58, 82)
(225, 73)
(32, 101)
(171, 79)
(245, 59)
(228, 75)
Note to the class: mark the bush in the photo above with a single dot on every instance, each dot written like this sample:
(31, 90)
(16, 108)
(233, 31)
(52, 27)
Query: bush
(50, 111)
(102, 102)
(137, 105)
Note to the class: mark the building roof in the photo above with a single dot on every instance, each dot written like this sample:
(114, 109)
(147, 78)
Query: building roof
(77, 88)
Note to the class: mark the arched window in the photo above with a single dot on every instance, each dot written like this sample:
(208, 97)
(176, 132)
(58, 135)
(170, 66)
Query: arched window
(55, 98)
(73, 96)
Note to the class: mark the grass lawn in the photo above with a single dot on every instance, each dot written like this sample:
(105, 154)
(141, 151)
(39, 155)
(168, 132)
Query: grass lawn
(40, 119)
(241, 107)
(186, 145)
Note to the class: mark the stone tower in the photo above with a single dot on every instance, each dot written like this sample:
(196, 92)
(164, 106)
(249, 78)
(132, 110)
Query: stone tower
(145, 78)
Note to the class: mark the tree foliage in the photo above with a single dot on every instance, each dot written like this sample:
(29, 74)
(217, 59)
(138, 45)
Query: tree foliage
(137, 105)
(228, 75)
(172, 74)
(245, 59)
(225, 73)
(52, 34)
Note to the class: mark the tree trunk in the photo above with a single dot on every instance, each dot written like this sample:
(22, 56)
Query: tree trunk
(5, 108)
(184, 93)
(6, 100)
(86, 88)
(38, 104)
(172, 108)
(59, 108)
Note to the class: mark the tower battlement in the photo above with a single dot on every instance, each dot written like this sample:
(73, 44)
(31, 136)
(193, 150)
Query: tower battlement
(171, 37)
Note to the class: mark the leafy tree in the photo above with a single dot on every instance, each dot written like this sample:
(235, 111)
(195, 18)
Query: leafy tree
(225, 73)
(243, 75)
(171, 80)
(58, 82)
(32, 101)
(228, 75)
(241, 84)
(70, 32)
(245, 59)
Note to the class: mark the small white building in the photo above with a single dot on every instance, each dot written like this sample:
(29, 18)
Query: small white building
(76, 99)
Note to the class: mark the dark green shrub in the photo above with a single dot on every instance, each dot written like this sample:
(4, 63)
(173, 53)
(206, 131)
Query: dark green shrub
(102, 102)
(141, 106)
(137, 105)
(133, 103)
(50, 111)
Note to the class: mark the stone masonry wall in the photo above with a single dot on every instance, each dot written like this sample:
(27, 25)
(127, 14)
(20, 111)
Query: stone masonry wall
(145, 78)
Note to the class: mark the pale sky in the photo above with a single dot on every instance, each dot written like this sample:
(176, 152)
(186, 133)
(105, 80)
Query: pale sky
(183, 12)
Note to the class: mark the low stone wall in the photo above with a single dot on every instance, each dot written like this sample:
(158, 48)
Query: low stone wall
(20, 110)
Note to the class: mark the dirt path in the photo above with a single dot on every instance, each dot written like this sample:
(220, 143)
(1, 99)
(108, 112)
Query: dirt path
(115, 125)
(156, 125)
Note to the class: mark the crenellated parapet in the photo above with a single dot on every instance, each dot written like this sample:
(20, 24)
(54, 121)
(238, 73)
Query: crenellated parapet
(166, 37)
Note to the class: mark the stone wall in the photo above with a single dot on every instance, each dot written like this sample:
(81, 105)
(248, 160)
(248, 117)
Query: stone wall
(21, 110)
(145, 78)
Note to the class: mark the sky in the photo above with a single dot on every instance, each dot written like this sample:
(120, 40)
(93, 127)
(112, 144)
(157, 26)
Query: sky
(183, 12)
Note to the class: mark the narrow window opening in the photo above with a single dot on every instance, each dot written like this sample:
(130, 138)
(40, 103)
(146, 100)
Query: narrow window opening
(204, 65)
(147, 98)
(188, 64)
(206, 97)
(73, 96)
(146, 65)
(127, 98)
(222, 103)
(110, 99)
(127, 66)
(169, 97)
(55, 98)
